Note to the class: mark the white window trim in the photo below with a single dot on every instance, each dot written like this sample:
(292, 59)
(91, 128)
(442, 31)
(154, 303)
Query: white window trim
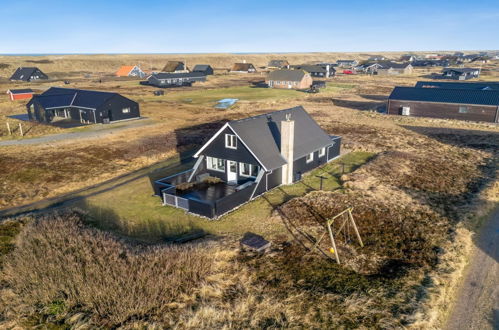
(322, 152)
(311, 155)
(241, 165)
(230, 136)
(125, 110)
(209, 166)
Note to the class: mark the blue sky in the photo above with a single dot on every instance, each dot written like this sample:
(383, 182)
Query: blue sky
(188, 26)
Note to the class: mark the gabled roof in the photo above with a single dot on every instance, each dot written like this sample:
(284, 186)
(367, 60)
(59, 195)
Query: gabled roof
(442, 95)
(286, 75)
(278, 63)
(56, 97)
(261, 135)
(173, 75)
(461, 70)
(125, 70)
(346, 61)
(24, 73)
(201, 67)
(242, 67)
(20, 91)
(311, 68)
(388, 65)
(458, 85)
(172, 66)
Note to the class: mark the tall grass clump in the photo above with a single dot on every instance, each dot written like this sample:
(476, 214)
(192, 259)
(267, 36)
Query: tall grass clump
(57, 261)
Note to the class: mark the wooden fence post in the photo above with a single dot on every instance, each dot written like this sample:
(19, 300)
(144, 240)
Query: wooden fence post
(21, 129)
(8, 128)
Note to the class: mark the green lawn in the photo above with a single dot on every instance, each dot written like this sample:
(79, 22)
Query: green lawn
(245, 93)
(131, 210)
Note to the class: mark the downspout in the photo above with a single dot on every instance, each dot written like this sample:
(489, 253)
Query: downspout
(497, 114)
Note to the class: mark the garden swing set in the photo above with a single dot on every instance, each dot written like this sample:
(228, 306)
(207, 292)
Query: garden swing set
(348, 222)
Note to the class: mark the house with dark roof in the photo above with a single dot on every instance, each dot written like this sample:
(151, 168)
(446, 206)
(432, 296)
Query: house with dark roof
(392, 68)
(28, 74)
(165, 79)
(130, 71)
(369, 68)
(203, 68)
(407, 58)
(20, 94)
(482, 85)
(374, 58)
(249, 157)
(319, 71)
(81, 105)
(243, 68)
(289, 79)
(464, 104)
(278, 64)
(175, 66)
(347, 63)
(460, 73)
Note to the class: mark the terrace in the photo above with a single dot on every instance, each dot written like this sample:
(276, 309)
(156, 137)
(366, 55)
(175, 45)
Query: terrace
(202, 194)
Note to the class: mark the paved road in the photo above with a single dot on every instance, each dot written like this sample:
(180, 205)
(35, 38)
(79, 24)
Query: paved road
(477, 304)
(92, 132)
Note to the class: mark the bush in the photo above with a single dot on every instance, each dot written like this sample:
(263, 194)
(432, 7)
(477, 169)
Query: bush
(59, 264)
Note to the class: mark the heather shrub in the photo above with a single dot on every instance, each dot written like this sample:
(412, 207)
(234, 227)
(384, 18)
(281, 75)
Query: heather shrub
(59, 265)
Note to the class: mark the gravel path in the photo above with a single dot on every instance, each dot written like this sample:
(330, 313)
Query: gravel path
(93, 132)
(477, 304)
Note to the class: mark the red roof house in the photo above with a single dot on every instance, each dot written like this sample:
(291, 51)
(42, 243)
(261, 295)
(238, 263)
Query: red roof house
(20, 94)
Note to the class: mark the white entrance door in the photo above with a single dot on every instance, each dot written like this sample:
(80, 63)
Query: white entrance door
(231, 171)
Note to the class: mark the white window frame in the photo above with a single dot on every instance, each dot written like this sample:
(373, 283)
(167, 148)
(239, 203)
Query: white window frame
(252, 168)
(309, 158)
(216, 167)
(322, 152)
(463, 109)
(125, 110)
(229, 138)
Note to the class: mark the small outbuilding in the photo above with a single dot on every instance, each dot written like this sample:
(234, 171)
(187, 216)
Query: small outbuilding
(85, 106)
(130, 71)
(203, 68)
(243, 68)
(463, 104)
(289, 79)
(20, 94)
(28, 74)
(392, 68)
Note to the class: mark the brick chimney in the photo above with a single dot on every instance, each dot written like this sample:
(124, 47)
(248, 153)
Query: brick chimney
(287, 148)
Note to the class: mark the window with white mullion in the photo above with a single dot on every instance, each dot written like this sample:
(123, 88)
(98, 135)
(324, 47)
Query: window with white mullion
(230, 141)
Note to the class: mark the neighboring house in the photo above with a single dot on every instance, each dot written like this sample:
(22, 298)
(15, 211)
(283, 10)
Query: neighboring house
(369, 68)
(430, 63)
(485, 85)
(278, 64)
(434, 56)
(164, 79)
(317, 70)
(28, 74)
(391, 68)
(175, 67)
(376, 58)
(85, 106)
(347, 63)
(459, 54)
(408, 58)
(250, 156)
(19, 94)
(130, 71)
(203, 68)
(460, 73)
(464, 104)
(289, 79)
(243, 68)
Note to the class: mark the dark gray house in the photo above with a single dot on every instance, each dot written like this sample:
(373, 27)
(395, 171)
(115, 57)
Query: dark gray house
(85, 106)
(164, 79)
(203, 68)
(317, 70)
(463, 104)
(483, 85)
(460, 73)
(28, 74)
(249, 157)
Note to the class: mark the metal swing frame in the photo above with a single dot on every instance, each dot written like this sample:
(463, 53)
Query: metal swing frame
(329, 224)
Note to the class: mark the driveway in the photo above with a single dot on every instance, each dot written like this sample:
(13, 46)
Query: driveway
(92, 132)
(477, 304)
